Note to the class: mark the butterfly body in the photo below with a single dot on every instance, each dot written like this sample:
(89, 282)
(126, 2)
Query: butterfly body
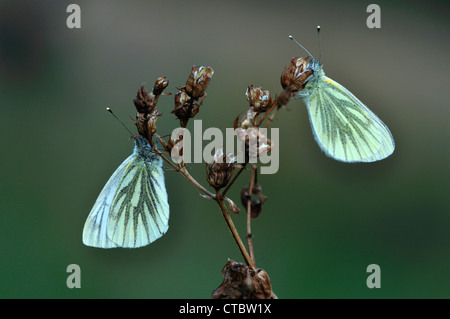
(343, 126)
(132, 210)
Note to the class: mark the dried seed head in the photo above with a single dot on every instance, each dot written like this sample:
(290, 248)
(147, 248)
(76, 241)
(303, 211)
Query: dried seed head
(146, 125)
(220, 169)
(242, 282)
(198, 81)
(186, 107)
(293, 77)
(182, 101)
(259, 100)
(144, 102)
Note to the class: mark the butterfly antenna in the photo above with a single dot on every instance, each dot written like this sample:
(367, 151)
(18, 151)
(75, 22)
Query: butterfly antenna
(301, 46)
(110, 111)
(320, 43)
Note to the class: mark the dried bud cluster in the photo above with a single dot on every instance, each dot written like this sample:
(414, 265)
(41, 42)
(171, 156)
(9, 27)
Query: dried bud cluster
(242, 282)
(190, 97)
(145, 104)
(260, 101)
(247, 129)
(293, 79)
(220, 169)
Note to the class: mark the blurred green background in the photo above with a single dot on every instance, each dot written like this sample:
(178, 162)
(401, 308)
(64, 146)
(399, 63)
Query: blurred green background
(324, 221)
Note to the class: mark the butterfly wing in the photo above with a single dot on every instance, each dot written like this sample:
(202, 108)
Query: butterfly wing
(344, 127)
(95, 229)
(139, 211)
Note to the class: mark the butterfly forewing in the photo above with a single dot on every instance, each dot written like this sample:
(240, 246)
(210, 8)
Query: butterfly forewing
(344, 127)
(95, 228)
(132, 210)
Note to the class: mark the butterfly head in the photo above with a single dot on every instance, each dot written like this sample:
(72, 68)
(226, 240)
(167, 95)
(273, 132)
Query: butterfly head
(143, 149)
(140, 141)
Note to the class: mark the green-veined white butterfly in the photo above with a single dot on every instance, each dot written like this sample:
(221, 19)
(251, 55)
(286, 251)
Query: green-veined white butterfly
(132, 209)
(343, 126)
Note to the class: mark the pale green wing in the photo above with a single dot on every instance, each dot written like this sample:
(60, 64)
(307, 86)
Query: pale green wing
(344, 127)
(95, 227)
(139, 212)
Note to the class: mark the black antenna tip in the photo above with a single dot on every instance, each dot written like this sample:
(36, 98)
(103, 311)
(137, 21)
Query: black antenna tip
(318, 28)
(109, 110)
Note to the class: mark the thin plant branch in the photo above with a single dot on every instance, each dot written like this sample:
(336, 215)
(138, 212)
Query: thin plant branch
(234, 231)
(249, 209)
(233, 180)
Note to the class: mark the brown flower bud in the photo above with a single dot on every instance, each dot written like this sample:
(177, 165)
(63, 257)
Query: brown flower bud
(198, 81)
(146, 125)
(144, 102)
(160, 84)
(293, 77)
(182, 101)
(259, 100)
(220, 169)
(186, 107)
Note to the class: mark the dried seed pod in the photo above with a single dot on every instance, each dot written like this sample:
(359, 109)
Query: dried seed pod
(144, 102)
(160, 85)
(198, 81)
(220, 169)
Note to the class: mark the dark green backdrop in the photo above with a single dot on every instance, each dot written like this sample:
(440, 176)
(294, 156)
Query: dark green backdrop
(324, 221)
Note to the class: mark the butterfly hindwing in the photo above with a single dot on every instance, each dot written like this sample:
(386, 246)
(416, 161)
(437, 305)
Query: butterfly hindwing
(344, 127)
(139, 212)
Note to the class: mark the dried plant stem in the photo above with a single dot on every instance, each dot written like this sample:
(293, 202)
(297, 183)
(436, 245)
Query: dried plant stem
(269, 112)
(234, 231)
(189, 177)
(183, 171)
(233, 180)
(272, 116)
(249, 209)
